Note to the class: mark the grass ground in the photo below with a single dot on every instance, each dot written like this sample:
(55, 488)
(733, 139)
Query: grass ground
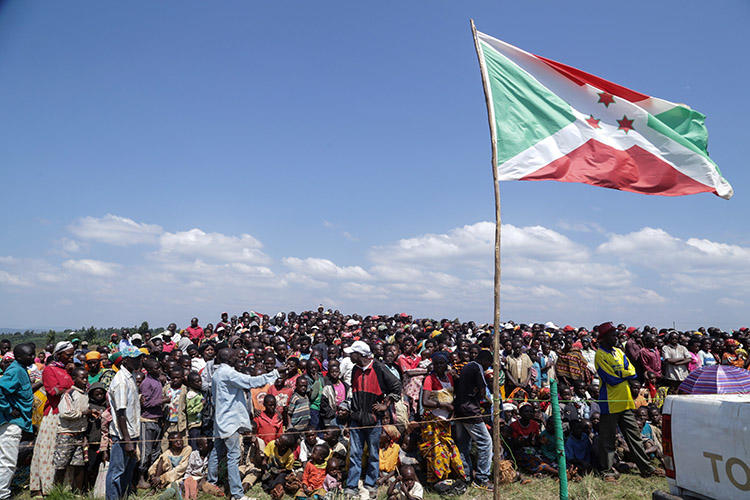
(629, 487)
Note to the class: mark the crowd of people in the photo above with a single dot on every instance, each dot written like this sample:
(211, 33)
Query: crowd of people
(325, 405)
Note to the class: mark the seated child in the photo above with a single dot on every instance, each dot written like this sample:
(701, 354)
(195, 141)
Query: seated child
(409, 453)
(406, 486)
(578, 446)
(389, 453)
(309, 440)
(171, 465)
(277, 467)
(651, 445)
(524, 437)
(195, 473)
(332, 437)
(252, 457)
(334, 476)
(315, 473)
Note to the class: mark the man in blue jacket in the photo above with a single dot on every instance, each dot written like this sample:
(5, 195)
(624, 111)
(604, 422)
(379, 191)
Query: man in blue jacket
(16, 401)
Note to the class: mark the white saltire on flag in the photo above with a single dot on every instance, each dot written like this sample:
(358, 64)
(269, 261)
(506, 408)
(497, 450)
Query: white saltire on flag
(555, 122)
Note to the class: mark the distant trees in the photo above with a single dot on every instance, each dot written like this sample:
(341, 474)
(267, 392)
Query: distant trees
(92, 335)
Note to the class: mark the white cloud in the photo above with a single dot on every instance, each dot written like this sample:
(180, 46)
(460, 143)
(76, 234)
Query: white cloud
(115, 230)
(11, 279)
(91, 267)
(478, 240)
(70, 246)
(691, 265)
(214, 246)
(324, 268)
(647, 275)
(304, 280)
(362, 289)
(731, 302)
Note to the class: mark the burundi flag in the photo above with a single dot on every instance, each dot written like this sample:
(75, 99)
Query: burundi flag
(555, 122)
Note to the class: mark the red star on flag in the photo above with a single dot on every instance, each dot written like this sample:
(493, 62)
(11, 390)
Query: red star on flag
(625, 124)
(593, 121)
(606, 98)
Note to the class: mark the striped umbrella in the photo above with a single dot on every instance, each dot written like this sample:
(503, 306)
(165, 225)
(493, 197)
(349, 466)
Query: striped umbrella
(716, 379)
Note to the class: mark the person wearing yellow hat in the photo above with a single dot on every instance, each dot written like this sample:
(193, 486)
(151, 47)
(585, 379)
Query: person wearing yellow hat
(94, 366)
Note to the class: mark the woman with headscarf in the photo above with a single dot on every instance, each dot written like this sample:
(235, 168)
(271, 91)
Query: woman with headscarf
(435, 441)
(56, 381)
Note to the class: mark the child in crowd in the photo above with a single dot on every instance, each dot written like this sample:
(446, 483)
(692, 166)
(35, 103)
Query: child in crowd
(309, 440)
(332, 437)
(334, 476)
(343, 413)
(71, 435)
(97, 405)
(578, 446)
(651, 444)
(174, 400)
(524, 437)
(194, 404)
(269, 421)
(170, 467)
(406, 486)
(314, 474)
(409, 453)
(315, 382)
(278, 465)
(298, 411)
(389, 453)
(282, 394)
(251, 462)
(195, 473)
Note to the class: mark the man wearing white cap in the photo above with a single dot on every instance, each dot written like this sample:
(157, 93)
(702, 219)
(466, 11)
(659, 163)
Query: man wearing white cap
(373, 389)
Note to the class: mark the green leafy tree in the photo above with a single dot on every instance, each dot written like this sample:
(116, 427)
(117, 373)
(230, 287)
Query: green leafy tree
(90, 334)
(50, 337)
(143, 328)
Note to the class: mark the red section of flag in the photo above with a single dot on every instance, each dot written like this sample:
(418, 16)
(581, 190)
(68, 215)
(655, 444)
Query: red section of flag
(581, 77)
(635, 170)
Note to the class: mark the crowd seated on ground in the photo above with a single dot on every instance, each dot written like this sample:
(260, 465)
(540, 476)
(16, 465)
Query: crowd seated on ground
(321, 404)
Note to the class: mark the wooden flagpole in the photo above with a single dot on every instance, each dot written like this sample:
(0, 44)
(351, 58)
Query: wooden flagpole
(497, 448)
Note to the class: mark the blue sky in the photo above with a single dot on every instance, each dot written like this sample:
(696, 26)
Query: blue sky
(140, 141)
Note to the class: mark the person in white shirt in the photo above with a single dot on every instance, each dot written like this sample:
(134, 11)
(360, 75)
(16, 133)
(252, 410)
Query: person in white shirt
(231, 417)
(125, 406)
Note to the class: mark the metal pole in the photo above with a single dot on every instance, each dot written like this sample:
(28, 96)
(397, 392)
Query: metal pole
(557, 423)
(497, 448)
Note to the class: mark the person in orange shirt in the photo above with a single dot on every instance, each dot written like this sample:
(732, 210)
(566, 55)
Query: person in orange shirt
(315, 473)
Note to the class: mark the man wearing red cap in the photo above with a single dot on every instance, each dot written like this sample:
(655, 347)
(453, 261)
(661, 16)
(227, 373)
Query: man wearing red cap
(617, 406)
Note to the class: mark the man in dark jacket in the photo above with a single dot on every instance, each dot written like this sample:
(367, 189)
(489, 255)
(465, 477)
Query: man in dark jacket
(471, 389)
(372, 388)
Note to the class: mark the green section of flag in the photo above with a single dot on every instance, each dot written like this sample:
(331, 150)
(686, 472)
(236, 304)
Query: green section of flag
(525, 111)
(688, 123)
(658, 125)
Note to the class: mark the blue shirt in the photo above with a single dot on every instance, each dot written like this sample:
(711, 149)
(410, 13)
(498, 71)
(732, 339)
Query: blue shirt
(228, 388)
(15, 393)
(578, 449)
